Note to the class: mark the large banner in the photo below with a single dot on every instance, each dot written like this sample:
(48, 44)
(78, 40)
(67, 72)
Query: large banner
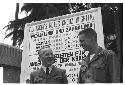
(61, 34)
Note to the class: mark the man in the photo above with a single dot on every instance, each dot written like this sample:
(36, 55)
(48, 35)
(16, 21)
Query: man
(101, 65)
(48, 72)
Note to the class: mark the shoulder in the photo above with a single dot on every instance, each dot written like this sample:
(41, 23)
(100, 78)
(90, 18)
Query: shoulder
(108, 53)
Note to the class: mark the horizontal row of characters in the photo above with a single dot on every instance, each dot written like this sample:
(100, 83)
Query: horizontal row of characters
(100, 65)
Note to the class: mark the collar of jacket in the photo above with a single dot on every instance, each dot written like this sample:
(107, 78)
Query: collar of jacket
(44, 75)
(99, 52)
(44, 68)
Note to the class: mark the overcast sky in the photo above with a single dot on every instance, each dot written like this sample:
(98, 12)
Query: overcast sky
(7, 13)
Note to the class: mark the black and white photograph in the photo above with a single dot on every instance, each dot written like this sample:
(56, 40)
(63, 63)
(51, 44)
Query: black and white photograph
(61, 43)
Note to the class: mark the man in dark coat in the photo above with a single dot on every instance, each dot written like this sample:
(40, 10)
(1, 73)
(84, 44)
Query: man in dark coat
(101, 65)
(48, 73)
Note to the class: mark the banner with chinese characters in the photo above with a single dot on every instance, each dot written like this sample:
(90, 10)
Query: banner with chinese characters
(61, 34)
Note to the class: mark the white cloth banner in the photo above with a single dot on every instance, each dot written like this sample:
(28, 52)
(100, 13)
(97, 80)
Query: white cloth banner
(61, 34)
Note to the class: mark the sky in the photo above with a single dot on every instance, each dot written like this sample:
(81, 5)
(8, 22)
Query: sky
(6, 15)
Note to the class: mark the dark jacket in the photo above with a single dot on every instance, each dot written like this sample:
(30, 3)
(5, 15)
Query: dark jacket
(56, 76)
(103, 68)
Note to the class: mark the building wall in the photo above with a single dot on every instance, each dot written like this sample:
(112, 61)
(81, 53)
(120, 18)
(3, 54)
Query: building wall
(10, 55)
(10, 60)
(11, 74)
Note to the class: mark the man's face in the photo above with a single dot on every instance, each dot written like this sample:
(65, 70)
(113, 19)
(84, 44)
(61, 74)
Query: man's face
(85, 43)
(47, 57)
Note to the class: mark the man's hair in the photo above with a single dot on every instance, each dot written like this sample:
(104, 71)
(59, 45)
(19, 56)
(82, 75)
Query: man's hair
(42, 49)
(89, 33)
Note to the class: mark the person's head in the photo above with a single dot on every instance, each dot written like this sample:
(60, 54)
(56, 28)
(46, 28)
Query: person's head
(46, 56)
(87, 39)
